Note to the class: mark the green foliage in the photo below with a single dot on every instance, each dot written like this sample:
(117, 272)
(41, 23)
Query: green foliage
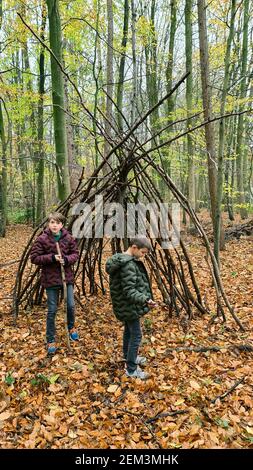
(42, 381)
(248, 438)
(148, 324)
(223, 423)
(20, 216)
(234, 274)
(9, 379)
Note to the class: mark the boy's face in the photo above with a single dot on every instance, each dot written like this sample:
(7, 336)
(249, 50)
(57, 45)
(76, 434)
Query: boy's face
(55, 226)
(139, 252)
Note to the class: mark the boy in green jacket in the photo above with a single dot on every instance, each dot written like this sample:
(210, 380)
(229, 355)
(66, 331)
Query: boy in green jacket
(131, 296)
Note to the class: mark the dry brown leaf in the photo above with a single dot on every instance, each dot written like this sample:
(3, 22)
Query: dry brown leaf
(195, 385)
(112, 388)
(5, 415)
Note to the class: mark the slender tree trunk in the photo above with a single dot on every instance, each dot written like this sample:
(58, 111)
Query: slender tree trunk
(170, 64)
(40, 193)
(22, 150)
(165, 152)
(120, 86)
(229, 166)
(96, 71)
(74, 168)
(230, 132)
(206, 96)
(207, 104)
(219, 194)
(3, 173)
(189, 98)
(241, 118)
(3, 177)
(109, 80)
(60, 134)
(11, 167)
(134, 106)
(31, 128)
(248, 130)
(151, 72)
(1, 13)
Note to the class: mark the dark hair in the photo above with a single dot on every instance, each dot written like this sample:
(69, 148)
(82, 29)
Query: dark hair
(141, 242)
(56, 216)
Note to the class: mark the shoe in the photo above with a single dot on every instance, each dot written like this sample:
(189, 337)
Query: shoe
(74, 335)
(51, 348)
(140, 360)
(138, 374)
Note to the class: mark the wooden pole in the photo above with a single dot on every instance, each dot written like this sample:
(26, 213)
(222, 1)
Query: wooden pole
(64, 296)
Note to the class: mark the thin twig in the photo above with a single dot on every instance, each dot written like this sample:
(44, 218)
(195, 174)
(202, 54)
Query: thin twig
(165, 414)
(224, 395)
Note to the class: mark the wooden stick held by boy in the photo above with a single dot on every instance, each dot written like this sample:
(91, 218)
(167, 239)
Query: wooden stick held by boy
(64, 295)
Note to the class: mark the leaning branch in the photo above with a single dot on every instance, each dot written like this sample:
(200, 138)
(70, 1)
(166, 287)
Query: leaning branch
(192, 129)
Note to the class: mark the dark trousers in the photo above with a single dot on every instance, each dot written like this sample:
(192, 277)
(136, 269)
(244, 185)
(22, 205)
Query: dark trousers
(52, 301)
(131, 343)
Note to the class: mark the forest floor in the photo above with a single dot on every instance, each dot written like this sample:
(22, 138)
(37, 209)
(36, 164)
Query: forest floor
(82, 398)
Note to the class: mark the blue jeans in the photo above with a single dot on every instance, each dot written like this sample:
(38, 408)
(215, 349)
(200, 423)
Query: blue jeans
(131, 343)
(52, 301)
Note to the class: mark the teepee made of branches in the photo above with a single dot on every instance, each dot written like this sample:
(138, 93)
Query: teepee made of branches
(126, 175)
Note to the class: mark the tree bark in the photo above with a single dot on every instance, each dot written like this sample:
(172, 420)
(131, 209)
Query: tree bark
(18, 80)
(134, 106)
(109, 81)
(120, 86)
(217, 224)
(60, 134)
(40, 190)
(241, 118)
(189, 98)
(3, 177)
(169, 74)
(151, 72)
(207, 104)
(169, 68)
(3, 173)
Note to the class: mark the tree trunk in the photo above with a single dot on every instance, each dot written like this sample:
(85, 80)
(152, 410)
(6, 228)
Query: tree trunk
(22, 149)
(166, 164)
(241, 118)
(31, 128)
(3, 177)
(74, 169)
(229, 166)
(189, 87)
(60, 134)
(206, 96)
(122, 66)
(109, 81)
(134, 106)
(151, 72)
(219, 194)
(96, 71)
(169, 68)
(207, 104)
(40, 192)
(3, 173)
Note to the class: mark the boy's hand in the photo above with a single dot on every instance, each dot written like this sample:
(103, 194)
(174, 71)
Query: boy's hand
(59, 259)
(151, 303)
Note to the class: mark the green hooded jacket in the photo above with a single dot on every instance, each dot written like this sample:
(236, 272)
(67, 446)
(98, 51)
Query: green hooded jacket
(129, 286)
